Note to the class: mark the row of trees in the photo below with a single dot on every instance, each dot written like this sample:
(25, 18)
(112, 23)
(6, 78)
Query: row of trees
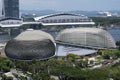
(109, 54)
(42, 70)
(103, 21)
(118, 44)
(71, 67)
(70, 73)
(106, 21)
(68, 68)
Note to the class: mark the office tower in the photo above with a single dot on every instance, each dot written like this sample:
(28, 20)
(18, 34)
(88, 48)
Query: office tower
(11, 8)
(1, 8)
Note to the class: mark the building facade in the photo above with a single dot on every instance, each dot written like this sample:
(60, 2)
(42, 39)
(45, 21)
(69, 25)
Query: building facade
(87, 37)
(1, 9)
(31, 44)
(10, 22)
(11, 8)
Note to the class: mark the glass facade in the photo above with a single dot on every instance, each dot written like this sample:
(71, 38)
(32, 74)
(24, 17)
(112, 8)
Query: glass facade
(0, 8)
(11, 8)
(89, 37)
(30, 45)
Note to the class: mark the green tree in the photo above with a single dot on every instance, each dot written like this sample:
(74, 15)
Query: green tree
(5, 64)
(118, 44)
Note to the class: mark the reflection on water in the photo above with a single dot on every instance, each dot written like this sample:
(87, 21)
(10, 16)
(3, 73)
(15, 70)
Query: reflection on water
(115, 33)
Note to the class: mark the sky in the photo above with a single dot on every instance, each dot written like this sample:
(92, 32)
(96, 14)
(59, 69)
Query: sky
(69, 5)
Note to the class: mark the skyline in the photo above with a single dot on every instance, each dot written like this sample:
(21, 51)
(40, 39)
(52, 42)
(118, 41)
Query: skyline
(65, 5)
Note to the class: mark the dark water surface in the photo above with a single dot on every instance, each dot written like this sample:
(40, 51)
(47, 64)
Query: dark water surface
(115, 33)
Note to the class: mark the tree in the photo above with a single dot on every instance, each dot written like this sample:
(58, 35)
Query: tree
(114, 72)
(118, 44)
(97, 74)
(72, 57)
(5, 64)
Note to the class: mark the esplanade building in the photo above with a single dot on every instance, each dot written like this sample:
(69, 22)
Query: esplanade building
(86, 37)
(31, 44)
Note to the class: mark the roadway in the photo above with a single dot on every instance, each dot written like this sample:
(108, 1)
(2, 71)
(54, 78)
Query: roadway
(44, 24)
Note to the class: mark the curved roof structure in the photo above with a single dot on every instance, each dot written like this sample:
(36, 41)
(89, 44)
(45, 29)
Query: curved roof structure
(64, 19)
(86, 37)
(31, 44)
(9, 19)
(31, 35)
(11, 22)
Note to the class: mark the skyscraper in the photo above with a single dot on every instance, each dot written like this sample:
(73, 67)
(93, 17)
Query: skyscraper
(1, 8)
(11, 8)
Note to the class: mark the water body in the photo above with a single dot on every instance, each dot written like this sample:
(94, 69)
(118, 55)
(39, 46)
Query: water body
(5, 37)
(115, 33)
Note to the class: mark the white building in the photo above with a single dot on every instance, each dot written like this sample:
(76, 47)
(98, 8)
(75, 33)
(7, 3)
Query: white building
(104, 14)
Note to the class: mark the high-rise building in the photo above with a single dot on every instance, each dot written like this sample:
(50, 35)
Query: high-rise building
(1, 8)
(11, 8)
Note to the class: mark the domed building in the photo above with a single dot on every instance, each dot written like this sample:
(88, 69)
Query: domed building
(87, 37)
(31, 44)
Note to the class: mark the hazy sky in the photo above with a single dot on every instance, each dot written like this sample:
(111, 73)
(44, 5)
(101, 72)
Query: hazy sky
(68, 5)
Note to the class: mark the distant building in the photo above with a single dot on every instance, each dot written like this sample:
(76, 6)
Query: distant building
(11, 8)
(107, 14)
(9, 13)
(104, 14)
